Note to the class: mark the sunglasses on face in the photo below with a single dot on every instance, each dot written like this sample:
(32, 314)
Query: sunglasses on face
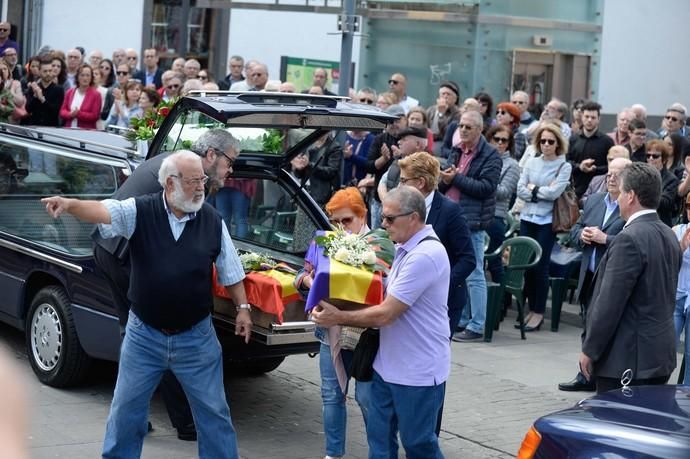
(671, 118)
(466, 127)
(547, 141)
(390, 219)
(342, 221)
(203, 77)
(173, 86)
(367, 101)
(498, 139)
(119, 73)
(502, 112)
(518, 102)
(653, 155)
(393, 82)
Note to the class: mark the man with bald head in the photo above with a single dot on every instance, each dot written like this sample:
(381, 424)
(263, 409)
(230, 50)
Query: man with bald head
(132, 59)
(320, 79)
(119, 57)
(95, 58)
(191, 69)
(397, 84)
(5, 40)
(521, 100)
(74, 60)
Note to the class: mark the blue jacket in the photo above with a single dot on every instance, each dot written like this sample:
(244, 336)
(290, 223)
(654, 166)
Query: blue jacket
(478, 186)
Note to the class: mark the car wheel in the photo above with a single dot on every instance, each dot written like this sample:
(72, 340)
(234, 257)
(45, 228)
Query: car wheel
(52, 343)
(255, 367)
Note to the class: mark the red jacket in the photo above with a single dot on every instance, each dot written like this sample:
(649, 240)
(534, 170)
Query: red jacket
(89, 111)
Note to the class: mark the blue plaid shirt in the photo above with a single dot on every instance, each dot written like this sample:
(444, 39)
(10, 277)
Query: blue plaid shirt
(123, 220)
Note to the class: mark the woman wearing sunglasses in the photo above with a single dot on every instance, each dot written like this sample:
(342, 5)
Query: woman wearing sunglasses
(508, 114)
(658, 155)
(501, 137)
(542, 181)
(345, 209)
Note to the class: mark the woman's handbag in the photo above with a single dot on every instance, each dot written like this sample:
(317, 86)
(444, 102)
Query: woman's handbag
(362, 367)
(565, 209)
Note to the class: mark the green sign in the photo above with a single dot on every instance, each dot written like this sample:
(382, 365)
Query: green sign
(300, 72)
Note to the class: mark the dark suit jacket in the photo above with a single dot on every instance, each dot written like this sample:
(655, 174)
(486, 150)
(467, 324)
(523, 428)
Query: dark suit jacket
(630, 319)
(451, 228)
(141, 76)
(593, 215)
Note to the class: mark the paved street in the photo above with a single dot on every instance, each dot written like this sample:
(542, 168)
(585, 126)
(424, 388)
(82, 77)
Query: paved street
(494, 393)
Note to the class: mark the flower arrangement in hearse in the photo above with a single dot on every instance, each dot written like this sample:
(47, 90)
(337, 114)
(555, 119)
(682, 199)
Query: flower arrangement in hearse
(348, 269)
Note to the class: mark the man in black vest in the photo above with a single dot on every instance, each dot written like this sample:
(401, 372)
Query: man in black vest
(175, 238)
(218, 150)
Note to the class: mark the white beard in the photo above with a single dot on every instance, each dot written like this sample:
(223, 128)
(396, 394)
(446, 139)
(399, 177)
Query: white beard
(188, 206)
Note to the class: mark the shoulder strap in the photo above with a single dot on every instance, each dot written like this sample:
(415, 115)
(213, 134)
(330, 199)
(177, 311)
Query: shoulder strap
(429, 238)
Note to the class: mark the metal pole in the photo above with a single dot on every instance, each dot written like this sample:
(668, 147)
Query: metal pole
(348, 24)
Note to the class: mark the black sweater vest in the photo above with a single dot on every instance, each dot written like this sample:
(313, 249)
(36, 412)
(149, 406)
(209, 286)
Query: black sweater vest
(170, 284)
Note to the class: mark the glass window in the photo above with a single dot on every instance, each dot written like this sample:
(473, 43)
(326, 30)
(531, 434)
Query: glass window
(28, 173)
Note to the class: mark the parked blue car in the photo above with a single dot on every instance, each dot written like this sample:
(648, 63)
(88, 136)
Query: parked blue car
(634, 422)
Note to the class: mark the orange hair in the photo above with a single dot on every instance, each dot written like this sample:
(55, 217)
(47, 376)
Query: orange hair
(347, 198)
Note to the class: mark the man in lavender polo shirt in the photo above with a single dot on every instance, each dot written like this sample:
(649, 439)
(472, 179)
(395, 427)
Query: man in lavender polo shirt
(413, 361)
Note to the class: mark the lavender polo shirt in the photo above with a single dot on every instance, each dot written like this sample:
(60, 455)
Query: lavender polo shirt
(415, 349)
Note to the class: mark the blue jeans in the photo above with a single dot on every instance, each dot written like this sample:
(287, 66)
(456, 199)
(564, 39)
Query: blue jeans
(682, 320)
(333, 400)
(411, 410)
(233, 205)
(476, 287)
(194, 357)
(537, 278)
(375, 209)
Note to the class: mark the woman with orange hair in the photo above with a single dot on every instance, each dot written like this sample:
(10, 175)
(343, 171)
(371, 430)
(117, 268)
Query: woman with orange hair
(345, 209)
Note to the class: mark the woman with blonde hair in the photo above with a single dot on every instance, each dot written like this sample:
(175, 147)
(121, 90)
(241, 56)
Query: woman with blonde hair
(127, 106)
(544, 178)
(346, 209)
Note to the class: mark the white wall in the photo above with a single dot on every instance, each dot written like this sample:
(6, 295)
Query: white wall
(267, 35)
(93, 24)
(644, 55)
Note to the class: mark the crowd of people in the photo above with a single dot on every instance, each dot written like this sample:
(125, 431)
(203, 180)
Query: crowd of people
(438, 179)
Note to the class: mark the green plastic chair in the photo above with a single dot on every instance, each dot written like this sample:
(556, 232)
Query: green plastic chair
(525, 253)
(512, 225)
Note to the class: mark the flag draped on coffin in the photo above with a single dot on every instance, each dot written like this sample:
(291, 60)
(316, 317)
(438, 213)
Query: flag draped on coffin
(268, 290)
(333, 279)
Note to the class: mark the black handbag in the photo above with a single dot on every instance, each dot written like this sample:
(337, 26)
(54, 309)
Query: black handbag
(362, 366)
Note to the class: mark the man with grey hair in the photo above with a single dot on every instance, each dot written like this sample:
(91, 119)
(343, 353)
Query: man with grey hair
(248, 83)
(192, 67)
(640, 112)
(621, 135)
(217, 149)
(74, 60)
(171, 303)
(674, 121)
(119, 57)
(95, 58)
(365, 96)
(630, 325)
(471, 178)
(235, 67)
(413, 360)
(521, 100)
(555, 111)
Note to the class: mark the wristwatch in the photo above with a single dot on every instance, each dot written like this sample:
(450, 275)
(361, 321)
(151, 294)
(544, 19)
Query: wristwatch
(246, 306)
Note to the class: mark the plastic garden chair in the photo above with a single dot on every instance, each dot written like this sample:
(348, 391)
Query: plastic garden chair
(524, 253)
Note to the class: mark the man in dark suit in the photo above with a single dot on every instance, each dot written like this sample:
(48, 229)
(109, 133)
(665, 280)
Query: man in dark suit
(630, 319)
(421, 170)
(151, 74)
(593, 233)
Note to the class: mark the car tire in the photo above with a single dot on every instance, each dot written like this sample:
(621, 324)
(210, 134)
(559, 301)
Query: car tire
(255, 367)
(52, 343)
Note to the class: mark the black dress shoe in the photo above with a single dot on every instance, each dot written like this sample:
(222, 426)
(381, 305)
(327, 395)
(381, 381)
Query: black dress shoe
(577, 385)
(187, 433)
(529, 328)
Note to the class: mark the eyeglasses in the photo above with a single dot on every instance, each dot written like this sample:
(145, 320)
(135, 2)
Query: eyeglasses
(653, 155)
(131, 58)
(121, 73)
(498, 139)
(390, 219)
(502, 112)
(549, 141)
(404, 180)
(393, 82)
(343, 221)
(611, 176)
(518, 102)
(671, 118)
(193, 181)
(367, 101)
(4, 30)
(254, 75)
(466, 127)
(173, 86)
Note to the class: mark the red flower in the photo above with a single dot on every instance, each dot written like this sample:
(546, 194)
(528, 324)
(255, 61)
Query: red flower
(163, 111)
(151, 123)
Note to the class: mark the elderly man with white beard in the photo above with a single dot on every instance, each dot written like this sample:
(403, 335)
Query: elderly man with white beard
(174, 239)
